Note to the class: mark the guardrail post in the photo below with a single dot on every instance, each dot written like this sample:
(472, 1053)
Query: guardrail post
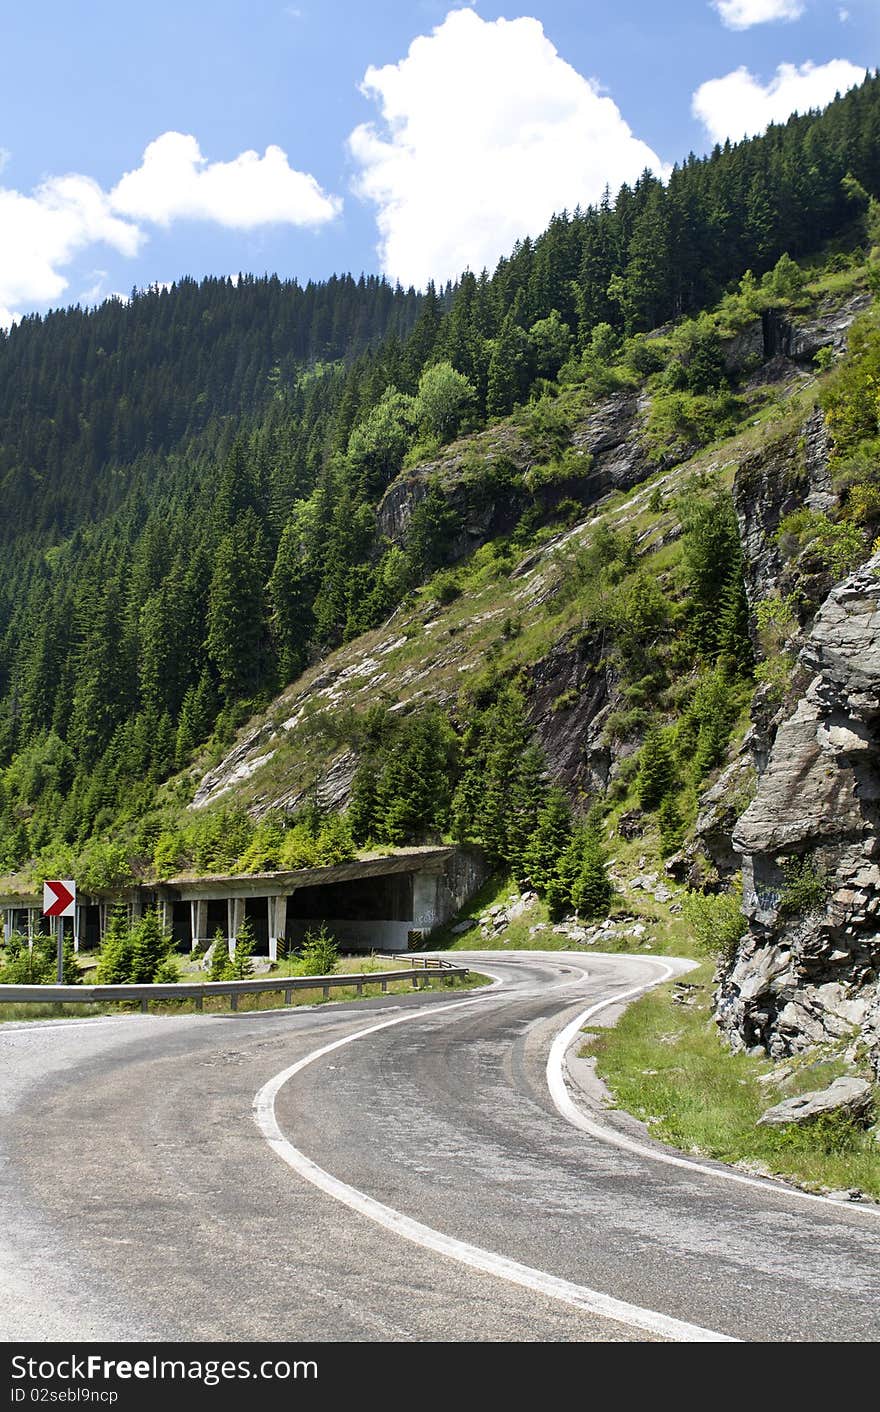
(233, 1000)
(325, 991)
(145, 1005)
(359, 987)
(384, 987)
(199, 1003)
(288, 997)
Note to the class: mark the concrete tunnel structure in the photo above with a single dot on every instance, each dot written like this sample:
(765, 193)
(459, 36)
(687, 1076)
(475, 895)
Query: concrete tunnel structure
(387, 903)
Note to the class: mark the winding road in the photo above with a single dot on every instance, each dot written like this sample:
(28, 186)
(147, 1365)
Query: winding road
(393, 1170)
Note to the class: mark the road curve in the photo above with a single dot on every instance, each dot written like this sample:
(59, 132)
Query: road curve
(141, 1201)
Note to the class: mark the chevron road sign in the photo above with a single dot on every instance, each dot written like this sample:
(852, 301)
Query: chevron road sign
(59, 899)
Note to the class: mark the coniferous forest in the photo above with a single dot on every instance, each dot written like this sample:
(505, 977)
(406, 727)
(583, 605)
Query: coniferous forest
(190, 479)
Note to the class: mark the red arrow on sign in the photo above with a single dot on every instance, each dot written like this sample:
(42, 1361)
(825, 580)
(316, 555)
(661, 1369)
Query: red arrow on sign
(59, 899)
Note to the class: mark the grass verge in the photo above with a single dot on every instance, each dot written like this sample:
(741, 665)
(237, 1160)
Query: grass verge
(667, 1064)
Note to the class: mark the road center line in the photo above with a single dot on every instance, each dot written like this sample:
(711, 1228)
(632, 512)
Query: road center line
(484, 1261)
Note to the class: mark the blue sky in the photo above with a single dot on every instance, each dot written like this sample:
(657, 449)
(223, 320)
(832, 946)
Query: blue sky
(413, 139)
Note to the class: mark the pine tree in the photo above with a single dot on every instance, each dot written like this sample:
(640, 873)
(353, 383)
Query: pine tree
(116, 957)
(221, 964)
(549, 841)
(237, 618)
(363, 809)
(150, 948)
(592, 890)
(241, 965)
(656, 769)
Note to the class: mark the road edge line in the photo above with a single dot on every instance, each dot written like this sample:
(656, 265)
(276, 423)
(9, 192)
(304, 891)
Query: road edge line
(483, 1261)
(566, 1105)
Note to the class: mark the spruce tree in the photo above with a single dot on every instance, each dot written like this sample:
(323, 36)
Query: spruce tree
(150, 948)
(549, 841)
(656, 774)
(116, 956)
(241, 965)
(592, 890)
(221, 962)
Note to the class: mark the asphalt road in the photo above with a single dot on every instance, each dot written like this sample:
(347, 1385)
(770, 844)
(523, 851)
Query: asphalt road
(140, 1200)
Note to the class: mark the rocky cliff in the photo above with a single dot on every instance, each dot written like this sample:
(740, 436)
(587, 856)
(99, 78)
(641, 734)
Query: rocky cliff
(807, 969)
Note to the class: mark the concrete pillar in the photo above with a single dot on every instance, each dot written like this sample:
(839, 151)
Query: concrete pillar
(166, 914)
(7, 924)
(32, 914)
(198, 923)
(277, 924)
(103, 919)
(137, 908)
(79, 926)
(426, 911)
(235, 917)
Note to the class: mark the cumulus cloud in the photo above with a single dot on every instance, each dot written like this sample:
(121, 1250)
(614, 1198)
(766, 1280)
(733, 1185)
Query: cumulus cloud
(739, 105)
(41, 234)
(485, 132)
(742, 14)
(174, 181)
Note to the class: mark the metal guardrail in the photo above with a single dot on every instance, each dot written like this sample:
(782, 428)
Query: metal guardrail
(200, 990)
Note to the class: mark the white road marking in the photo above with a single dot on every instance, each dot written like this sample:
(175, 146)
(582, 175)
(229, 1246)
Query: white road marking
(576, 1116)
(485, 1261)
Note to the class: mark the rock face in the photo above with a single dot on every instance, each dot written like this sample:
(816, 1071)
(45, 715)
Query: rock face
(800, 339)
(807, 970)
(849, 1097)
(570, 693)
(782, 477)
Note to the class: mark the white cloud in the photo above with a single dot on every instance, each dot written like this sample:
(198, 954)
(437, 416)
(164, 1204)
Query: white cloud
(485, 132)
(175, 181)
(738, 105)
(742, 14)
(42, 233)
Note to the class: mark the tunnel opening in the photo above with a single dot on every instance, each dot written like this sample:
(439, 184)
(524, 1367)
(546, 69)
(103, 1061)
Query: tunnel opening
(363, 914)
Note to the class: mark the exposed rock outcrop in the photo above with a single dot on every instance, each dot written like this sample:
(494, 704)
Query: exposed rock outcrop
(807, 970)
(787, 474)
(569, 695)
(482, 477)
(800, 339)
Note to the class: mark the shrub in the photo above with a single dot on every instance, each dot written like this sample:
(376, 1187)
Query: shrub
(805, 888)
(838, 545)
(716, 922)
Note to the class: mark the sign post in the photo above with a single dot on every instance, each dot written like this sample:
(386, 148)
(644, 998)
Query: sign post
(59, 901)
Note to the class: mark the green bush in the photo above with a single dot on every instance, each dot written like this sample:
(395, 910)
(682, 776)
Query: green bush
(716, 922)
(838, 545)
(805, 888)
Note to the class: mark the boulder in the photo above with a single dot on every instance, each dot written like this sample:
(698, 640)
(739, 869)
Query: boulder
(850, 1097)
